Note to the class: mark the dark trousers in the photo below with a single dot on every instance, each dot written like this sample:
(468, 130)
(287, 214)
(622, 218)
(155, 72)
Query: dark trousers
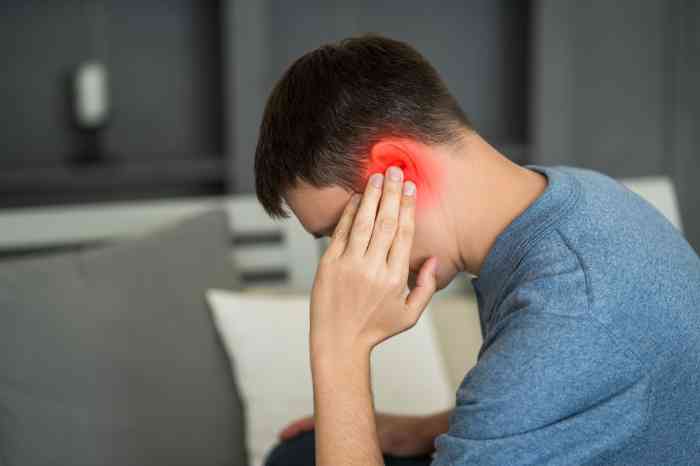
(299, 451)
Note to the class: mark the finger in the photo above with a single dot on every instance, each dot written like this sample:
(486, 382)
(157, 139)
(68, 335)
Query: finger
(388, 216)
(341, 233)
(297, 427)
(364, 220)
(419, 297)
(294, 430)
(400, 252)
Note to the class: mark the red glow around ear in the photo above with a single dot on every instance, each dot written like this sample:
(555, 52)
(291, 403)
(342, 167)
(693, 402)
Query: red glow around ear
(417, 165)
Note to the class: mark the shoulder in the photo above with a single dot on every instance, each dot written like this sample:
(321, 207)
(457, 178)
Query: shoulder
(607, 209)
(550, 277)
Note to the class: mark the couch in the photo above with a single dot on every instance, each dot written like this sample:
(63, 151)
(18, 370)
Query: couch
(108, 352)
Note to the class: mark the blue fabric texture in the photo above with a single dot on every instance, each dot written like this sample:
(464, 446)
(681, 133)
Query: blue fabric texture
(589, 305)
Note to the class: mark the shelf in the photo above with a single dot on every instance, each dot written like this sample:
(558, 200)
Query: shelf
(112, 175)
(112, 181)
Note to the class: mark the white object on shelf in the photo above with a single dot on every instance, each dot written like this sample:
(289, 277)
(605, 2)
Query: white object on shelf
(91, 95)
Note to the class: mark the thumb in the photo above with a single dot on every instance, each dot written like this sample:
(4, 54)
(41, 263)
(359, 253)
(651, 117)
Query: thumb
(425, 287)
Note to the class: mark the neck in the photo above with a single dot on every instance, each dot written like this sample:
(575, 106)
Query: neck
(487, 192)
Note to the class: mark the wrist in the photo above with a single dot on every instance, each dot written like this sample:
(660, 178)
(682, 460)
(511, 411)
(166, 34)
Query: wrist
(337, 357)
(337, 351)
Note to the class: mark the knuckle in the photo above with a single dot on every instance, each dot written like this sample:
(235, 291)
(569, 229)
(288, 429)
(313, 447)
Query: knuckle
(405, 231)
(394, 188)
(351, 266)
(367, 276)
(387, 224)
(362, 227)
(393, 281)
(340, 230)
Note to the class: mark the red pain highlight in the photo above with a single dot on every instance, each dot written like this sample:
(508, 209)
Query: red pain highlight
(417, 165)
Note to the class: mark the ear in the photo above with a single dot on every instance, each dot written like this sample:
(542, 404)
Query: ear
(418, 165)
(385, 154)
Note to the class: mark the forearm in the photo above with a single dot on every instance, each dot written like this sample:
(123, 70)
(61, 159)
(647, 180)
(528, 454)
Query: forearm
(346, 432)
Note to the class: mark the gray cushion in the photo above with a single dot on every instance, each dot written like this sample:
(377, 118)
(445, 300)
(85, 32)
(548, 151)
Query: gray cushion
(110, 356)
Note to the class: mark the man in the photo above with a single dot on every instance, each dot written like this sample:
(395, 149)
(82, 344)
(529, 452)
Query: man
(589, 300)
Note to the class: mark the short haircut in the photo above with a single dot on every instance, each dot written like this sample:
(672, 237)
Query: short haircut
(334, 103)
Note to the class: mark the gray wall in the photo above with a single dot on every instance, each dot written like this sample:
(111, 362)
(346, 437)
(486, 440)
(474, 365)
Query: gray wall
(164, 136)
(615, 89)
(479, 46)
(165, 80)
(599, 84)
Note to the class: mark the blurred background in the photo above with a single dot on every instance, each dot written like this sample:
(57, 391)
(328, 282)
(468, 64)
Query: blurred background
(126, 100)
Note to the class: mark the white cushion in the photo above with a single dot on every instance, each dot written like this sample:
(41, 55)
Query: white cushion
(456, 320)
(659, 192)
(266, 337)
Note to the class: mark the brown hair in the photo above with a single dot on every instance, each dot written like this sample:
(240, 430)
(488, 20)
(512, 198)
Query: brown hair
(335, 102)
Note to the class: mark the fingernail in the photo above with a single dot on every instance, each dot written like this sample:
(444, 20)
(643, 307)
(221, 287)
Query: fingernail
(409, 188)
(395, 173)
(355, 199)
(376, 180)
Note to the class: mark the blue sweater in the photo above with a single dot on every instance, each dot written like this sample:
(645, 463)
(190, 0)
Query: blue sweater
(590, 309)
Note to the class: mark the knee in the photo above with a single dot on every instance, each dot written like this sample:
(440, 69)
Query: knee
(296, 451)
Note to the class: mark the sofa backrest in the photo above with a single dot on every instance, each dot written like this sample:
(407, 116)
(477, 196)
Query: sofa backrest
(659, 192)
(267, 252)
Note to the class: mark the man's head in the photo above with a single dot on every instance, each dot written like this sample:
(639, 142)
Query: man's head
(345, 111)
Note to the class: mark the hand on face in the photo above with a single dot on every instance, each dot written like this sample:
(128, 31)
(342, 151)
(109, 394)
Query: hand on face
(359, 296)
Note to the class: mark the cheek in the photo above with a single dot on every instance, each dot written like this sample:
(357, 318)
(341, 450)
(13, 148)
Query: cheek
(421, 249)
(425, 230)
(429, 239)
(427, 176)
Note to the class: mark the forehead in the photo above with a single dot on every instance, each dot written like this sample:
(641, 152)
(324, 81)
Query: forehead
(317, 209)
